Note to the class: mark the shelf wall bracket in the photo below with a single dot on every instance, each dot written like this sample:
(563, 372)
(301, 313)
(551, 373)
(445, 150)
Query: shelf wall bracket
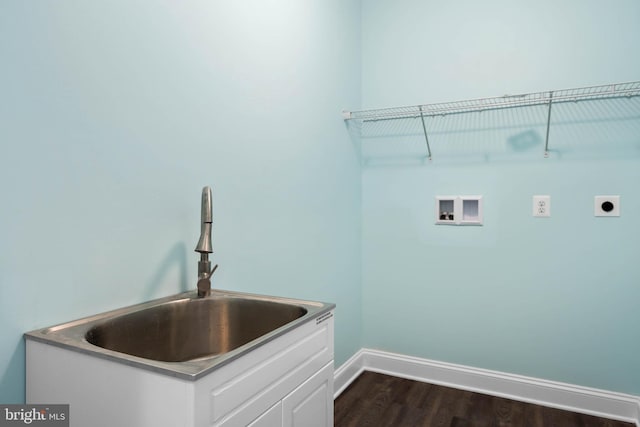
(546, 140)
(424, 129)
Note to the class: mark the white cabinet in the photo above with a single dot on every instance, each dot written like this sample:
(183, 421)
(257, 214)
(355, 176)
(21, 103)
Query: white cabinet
(286, 381)
(311, 404)
(271, 418)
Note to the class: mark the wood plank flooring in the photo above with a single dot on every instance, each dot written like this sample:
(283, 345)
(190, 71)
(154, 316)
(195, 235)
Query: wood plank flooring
(381, 400)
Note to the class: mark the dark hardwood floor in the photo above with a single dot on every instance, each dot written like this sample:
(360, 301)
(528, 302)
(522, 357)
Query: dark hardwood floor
(381, 400)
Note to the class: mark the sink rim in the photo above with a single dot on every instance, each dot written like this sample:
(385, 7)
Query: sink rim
(71, 335)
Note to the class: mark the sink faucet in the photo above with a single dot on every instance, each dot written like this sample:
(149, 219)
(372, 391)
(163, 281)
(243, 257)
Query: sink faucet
(204, 245)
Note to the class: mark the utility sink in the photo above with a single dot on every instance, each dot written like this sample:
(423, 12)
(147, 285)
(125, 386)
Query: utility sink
(183, 335)
(189, 329)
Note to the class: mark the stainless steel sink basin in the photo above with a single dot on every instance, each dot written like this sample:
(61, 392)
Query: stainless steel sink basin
(182, 335)
(189, 329)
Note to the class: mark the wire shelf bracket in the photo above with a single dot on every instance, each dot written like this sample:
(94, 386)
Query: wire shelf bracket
(426, 136)
(546, 139)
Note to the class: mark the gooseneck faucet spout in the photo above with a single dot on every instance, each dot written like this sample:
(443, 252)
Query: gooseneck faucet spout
(206, 209)
(204, 245)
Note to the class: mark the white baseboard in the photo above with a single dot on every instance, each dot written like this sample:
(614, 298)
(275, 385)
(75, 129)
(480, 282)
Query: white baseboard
(601, 403)
(347, 372)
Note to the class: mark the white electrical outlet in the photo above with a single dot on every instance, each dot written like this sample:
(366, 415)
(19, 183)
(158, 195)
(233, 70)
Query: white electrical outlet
(606, 205)
(542, 206)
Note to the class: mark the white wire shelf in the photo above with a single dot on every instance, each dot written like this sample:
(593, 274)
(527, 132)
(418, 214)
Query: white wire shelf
(375, 118)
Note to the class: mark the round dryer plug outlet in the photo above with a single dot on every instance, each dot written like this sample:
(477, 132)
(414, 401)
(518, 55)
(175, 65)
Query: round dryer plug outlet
(606, 206)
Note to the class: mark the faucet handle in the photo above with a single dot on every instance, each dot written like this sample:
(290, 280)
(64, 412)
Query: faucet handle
(213, 270)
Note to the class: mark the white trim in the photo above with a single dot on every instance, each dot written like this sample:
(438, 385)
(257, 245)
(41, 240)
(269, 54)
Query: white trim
(602, 403)
(347, 373)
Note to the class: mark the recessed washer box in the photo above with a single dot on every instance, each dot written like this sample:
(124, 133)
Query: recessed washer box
(459, 210)
(606, 206)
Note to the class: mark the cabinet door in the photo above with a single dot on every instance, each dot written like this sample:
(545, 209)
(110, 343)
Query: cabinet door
(271, 418)
(311, 404)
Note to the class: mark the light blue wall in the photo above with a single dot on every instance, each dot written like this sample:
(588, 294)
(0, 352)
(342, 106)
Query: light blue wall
(115, 114)
(553, 298)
